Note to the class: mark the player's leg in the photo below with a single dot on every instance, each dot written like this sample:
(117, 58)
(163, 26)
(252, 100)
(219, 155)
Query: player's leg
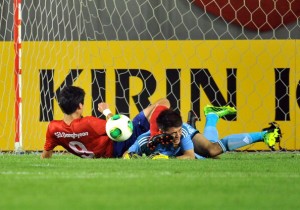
(143, 120)
(192, 119)
(141, 125)
(202, 142)
(163, 102)
(210, 129)
(152, 113)
(212, 115)
(206, 148)
(269, 135)
(205, 144)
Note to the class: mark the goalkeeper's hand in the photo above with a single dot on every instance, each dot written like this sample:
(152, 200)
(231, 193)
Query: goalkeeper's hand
(149, 147)
(163, 138)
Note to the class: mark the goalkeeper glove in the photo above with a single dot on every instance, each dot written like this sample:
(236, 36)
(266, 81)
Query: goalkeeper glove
(164, 139)
(159, 156)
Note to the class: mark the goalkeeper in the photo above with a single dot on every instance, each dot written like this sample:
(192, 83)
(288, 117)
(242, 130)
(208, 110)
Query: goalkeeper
(85, 136)
(173, 138)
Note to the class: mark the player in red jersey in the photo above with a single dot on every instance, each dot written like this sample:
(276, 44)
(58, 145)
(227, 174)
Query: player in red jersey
(86, 136)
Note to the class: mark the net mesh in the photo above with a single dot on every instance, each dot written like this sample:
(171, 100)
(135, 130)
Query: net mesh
(130, 53)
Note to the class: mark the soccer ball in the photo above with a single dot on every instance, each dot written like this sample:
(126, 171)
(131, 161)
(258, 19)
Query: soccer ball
(119, 127)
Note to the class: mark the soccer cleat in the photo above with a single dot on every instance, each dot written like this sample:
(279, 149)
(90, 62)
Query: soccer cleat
(272, 135)
(164, 139)
(221, 111)
(192, 118)
(158, 156)
(131, 155)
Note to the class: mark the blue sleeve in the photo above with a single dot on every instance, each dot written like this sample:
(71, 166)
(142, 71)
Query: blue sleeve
(141, 140)
(190, 130)
(135, 148)
(186, 142)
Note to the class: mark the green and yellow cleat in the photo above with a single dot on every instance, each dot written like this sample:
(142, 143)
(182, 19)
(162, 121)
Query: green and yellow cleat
(272, 135)
(159, 156)
(131, 155)
(221, 111)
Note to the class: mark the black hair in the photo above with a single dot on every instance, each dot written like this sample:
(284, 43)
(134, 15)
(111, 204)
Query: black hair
(168, 119)
(69, 99)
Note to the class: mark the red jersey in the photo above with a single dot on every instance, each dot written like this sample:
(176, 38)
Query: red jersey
(84, 137)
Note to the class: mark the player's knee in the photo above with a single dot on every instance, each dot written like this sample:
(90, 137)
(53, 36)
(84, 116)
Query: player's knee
(214, 149)
(164, 102)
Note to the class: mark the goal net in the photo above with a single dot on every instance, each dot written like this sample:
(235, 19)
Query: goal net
(131, 53)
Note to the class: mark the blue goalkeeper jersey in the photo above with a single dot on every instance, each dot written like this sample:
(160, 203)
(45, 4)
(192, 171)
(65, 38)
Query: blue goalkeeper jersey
(186, 143)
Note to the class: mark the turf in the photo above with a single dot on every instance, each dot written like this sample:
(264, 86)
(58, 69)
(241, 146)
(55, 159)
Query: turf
(236, 180)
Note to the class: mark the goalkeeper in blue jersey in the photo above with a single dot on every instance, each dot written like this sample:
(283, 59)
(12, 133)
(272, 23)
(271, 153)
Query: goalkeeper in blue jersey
(177, 139)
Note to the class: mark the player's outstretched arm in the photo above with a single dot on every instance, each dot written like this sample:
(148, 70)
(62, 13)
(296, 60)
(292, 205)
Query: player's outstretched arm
(46, 154)
(104, 109)
(188, 154)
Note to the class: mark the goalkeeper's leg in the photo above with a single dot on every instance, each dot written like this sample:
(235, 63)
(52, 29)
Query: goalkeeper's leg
(204, 147)
(212, 115)
(208, 145)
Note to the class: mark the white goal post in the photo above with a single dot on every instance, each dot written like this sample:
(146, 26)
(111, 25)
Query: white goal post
(133, 52)
(18, 75)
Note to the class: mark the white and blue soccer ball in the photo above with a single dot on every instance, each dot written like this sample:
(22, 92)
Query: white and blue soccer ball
(119, 127)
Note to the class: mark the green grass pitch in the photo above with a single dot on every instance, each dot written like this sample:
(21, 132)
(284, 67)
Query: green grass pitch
(237, 180)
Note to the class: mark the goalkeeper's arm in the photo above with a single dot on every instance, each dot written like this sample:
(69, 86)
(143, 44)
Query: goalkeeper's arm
(149, 147)
(188, 154)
